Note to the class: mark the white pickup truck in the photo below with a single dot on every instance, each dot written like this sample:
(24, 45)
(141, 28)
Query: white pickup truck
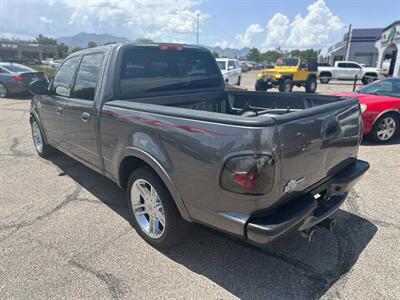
(348, 70)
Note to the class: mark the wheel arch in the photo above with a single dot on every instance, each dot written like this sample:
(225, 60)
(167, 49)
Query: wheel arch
(34, 116)
(387, 111)
(133, 158)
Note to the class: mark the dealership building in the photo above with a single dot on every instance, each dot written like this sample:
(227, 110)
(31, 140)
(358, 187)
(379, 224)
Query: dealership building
(360, 45)
(388, 45)
(11, 49)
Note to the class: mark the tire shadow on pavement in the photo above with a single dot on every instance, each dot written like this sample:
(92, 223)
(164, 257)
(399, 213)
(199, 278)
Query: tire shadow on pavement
(290, 268)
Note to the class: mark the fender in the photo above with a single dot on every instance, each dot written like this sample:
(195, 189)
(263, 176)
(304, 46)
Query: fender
(156, 166)
(34, 114)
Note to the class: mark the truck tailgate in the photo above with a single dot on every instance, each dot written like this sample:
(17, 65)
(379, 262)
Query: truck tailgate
(319, 144)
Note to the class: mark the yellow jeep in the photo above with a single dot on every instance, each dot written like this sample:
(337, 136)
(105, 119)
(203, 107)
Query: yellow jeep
(287, 73)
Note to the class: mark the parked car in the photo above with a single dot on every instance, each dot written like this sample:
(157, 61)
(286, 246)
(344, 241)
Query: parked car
(231, 70)
(156, 119)
(348, 70)
(380, 106)
(14, 78)
(288, 72)
(244, 66)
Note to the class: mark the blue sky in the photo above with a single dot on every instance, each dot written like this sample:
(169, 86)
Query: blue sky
(264, 24)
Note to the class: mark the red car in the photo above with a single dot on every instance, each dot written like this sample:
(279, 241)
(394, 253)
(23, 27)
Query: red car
(380, 106)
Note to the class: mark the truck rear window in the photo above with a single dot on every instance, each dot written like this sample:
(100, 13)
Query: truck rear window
(147, 70)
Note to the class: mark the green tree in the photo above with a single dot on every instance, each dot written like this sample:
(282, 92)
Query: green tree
(215, 54)
(44, 40)
(143, 40)
(62, 50)
(91, 44)
(254, 55)
(75, 49)
(271, 56)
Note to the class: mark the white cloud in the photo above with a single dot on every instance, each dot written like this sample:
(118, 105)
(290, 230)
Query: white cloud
(46, 20)
(277, 29)
(165, 20)
(246, 39)
(316, 29)
(162, 19)
(222, 44)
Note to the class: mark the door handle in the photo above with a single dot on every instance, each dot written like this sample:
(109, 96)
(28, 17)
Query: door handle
(59, 110)
(85, 116)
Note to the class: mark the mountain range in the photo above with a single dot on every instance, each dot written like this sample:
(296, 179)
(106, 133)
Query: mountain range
(83, 38)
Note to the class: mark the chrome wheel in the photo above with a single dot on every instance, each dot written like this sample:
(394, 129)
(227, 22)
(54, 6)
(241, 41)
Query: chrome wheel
(37, 137)
(386, 128)
(3, 91)
(148, 209)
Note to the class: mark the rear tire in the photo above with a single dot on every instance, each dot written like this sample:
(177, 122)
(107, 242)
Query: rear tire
(150, 202)
(368, 80)
(311, 85)
(385, 128)
(42, 148)
(3, 91)
(286, 86)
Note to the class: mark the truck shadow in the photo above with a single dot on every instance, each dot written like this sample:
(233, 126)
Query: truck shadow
(290, 268)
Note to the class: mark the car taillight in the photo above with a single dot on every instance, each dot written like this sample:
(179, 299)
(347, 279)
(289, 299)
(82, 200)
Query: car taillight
(253, 174)
(18, 78)
(171, 47)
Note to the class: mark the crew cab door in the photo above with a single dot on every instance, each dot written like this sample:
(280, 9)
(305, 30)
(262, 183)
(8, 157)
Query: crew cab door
(353, 69)
(51, 107)
(80, 111)
(233, 73)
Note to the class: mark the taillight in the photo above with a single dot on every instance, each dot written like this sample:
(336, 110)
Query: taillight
(171, 47)
(253, 174)
(18, 78)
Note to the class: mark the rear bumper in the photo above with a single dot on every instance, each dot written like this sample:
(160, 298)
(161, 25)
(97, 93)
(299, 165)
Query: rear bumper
(307, 211)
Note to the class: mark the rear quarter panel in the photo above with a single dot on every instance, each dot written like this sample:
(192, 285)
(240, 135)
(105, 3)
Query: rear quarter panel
(192, 153)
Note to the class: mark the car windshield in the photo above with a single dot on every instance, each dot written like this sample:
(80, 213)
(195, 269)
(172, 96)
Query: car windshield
(17, 68)
(221, 65)
(387, 87)
(289, 62)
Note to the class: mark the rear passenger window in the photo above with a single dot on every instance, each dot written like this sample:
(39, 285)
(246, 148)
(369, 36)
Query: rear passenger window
(62, 81)
(87, 76)
(146, 70)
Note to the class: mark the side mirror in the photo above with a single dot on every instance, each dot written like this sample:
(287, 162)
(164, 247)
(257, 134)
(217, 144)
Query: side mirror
(231, 67)
(39, 87)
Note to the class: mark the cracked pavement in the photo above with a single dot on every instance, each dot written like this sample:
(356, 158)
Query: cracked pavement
(64, 234)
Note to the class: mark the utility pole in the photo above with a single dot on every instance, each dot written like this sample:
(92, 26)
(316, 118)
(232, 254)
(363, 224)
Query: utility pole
(347, 43)
(197, 31)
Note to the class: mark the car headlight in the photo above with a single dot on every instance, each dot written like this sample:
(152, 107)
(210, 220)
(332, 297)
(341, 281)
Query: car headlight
(363, 107)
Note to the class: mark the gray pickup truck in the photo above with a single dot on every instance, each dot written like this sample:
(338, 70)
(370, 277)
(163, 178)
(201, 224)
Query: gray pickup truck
(157, 120)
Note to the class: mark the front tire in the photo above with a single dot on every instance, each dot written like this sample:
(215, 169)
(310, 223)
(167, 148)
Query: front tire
(261, 85)
(153, 212)
(42, 148)
(286, 86)
(385, 128)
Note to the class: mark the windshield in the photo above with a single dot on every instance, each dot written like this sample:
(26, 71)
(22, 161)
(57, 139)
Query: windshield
(221, 65)
(289, 62)
(17, 68)
(386, 87)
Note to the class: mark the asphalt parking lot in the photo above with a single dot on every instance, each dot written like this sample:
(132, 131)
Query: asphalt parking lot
(64, 234)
